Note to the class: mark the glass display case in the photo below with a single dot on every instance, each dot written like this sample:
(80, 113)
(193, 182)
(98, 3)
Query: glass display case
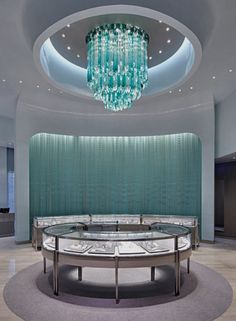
(187, 221)
(116, 218)
(53, 220)
(124, 219)
(39, 223)
(114, 245)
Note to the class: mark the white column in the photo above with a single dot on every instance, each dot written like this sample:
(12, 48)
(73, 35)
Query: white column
(3, 177)
(22, 228)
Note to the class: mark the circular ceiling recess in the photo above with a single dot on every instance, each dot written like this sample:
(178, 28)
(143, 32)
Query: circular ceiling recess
(174, 52)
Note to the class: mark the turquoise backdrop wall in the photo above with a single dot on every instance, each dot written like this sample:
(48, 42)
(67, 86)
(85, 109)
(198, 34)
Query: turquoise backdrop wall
(154, 174)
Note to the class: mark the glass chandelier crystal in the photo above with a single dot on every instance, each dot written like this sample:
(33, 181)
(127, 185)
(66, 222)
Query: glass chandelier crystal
(117, 69)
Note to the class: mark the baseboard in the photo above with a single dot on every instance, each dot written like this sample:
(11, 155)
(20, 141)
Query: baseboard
(207, 241)
(22, 242)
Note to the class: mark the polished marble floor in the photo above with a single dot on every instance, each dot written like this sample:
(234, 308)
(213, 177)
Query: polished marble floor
(220, 256)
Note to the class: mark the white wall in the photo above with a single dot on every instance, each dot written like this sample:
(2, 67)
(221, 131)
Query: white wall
(7, 131)
(7, 138)
(193, 114)
(226, 126)
(3, 177)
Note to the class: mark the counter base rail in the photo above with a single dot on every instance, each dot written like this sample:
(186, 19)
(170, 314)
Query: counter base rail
(102, 246)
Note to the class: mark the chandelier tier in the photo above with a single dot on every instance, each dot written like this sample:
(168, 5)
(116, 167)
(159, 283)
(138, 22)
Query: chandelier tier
(117, 69)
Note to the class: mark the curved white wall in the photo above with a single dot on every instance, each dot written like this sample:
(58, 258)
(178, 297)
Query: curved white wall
(193, 114)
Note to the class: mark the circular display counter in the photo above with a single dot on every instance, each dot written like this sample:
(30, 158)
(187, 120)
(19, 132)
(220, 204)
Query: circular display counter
(116, 246)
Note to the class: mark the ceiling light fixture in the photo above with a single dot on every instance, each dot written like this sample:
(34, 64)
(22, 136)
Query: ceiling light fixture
(168, 41)
(170, 92)
(213, 77)
(37, 85)
(168, 29)
(191, 88)
(160, 51)
(68, 48)
(20, 81)
(117, 69)
(78, 55)
(68, 25)
(180, 90)
(3, 80)
(63, 35)
(230, 70)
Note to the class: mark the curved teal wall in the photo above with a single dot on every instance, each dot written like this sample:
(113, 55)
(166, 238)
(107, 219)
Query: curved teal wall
(153, 174)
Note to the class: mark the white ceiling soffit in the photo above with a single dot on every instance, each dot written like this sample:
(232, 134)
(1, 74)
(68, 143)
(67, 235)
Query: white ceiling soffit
(22, 21)
(69, 77)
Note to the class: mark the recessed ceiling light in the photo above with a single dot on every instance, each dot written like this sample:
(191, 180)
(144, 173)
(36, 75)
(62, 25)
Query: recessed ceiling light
(37, 85)
(191, 88)
(68, 25)
(213, 77)
(68, 48)
(49, 89)
(170, 91)
(167, 28)
(20, 81)
(234, 157)
(3, 80)
(61, 92)
(150, 58)
(160, 21)
(160, 51)
(78, 55)
(168, 41)
(180, 90)
(63, 35)
(230, 70)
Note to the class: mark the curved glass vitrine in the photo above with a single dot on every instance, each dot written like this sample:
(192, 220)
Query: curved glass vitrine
(116, 246)
(116, 239)
(40, 223)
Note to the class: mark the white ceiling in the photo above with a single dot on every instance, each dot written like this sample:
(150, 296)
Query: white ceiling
(22, 21)
(75, 35)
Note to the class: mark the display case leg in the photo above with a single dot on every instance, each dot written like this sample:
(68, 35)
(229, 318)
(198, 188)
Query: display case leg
(177, 274)
(44, 265)
(79, 273)
(153, 273)
(55, 273)
(116, 280)
(188, 265)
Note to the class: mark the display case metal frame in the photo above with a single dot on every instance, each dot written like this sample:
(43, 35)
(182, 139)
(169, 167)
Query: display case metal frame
(116, 261)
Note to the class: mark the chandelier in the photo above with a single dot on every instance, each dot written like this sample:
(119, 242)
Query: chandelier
(117, 69)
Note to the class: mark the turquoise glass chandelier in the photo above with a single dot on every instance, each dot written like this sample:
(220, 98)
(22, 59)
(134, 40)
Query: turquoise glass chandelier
(117, 69)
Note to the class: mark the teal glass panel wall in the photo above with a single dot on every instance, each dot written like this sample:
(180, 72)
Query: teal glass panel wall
(153, 174)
